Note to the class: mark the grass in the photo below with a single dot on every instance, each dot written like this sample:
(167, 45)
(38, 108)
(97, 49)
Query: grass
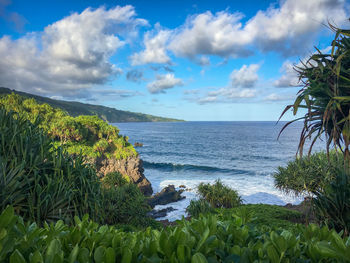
(267, 215)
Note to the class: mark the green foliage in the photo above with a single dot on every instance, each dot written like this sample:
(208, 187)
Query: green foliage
(125, 204)
(326, 95)
(219, 195)
(308, 174)
(332, 204)
(200, 206)
(206, 239)
(44, 183)
(263, 215)
(87, 135)
(114, 179)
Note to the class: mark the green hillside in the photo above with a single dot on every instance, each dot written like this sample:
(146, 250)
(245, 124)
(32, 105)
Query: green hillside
(106, 113)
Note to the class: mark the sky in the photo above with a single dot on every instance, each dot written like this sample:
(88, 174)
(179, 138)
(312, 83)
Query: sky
(193, 60)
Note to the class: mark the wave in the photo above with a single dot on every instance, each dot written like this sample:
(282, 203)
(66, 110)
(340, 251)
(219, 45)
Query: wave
(190, 167)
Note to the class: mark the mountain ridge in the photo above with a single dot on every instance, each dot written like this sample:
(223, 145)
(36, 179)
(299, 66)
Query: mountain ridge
(108, 114)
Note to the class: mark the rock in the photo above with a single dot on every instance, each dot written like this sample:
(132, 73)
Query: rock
(182, 186)
(131, 167)
(168, 195)
(138, 144)
(161, 212)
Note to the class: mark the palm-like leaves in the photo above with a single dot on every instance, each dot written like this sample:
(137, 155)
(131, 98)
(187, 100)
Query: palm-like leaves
(326, 96)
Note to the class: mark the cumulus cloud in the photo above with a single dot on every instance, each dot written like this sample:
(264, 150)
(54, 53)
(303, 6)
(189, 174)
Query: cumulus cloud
(163, 82)
(242, 82)
(70, 55)
(246, 76)
(134, 75)
(287, 29)
(289, 76)
(155, 49)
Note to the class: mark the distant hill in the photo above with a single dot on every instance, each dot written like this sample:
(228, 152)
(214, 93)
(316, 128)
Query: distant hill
(106, 113)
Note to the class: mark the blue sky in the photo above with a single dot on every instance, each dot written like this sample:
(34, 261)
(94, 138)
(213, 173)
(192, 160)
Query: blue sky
(193, 60)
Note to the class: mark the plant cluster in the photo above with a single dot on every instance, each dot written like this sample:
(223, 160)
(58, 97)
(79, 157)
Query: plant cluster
(45, 183)
(308, 174)
(219, 195)
(200, 240)
(84, 134)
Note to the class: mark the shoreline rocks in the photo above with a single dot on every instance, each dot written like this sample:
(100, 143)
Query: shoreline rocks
(168, 195)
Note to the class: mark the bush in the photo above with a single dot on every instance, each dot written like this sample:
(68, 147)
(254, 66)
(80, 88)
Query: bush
(114, 179)
(219, 195)
(332, 204)
(197, 207)
(125, 204)
(308, 174)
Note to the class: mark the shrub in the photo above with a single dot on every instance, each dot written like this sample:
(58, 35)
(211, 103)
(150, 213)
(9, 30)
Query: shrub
(308, 174)
(219, 195)
(125, 204)
(200, 206)
(332, 204)
(114, 179)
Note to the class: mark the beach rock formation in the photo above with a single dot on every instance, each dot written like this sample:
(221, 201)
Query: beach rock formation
(132, 167)
(160, 213)
(168, 195)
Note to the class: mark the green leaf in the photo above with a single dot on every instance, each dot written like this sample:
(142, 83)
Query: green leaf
(74, 254)
(6, 217)
(110, 255)
(127, 256)
(198, 258)
(272, 254)
(17, 257)
(99, 254)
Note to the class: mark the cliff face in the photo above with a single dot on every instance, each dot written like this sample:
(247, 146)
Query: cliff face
(132, 167)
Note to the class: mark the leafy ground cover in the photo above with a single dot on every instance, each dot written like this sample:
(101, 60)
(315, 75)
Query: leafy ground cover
(205, 239)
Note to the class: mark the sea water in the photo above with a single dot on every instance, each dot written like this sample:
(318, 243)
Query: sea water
(243, 155)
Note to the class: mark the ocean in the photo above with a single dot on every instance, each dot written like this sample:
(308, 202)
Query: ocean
(244, 155)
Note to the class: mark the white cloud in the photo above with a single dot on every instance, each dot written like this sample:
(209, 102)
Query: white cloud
(70, 55)
(246, 76)
(289, 76)
(164, 82)
(155, 49)
(288, 29)
(134, 75)
(242, 82)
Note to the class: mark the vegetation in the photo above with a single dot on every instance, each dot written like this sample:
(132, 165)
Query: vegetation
(326, 96)
(200, 206)
(308, 174)
(88, 135)
(205, 239)
(76, 109)
(44, 183)
(219, 195)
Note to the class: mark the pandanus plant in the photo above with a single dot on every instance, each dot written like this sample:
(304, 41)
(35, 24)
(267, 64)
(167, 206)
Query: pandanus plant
(326, 96)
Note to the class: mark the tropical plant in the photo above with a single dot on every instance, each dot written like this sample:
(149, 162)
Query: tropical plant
(309, 174)
(200, 206)
(332, 203)
(219, 195)
(326, 96)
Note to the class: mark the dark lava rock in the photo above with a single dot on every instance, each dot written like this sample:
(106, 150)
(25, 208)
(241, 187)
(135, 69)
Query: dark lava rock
(161, 212)
(138, 144)
(168, 195)
(182, 186)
